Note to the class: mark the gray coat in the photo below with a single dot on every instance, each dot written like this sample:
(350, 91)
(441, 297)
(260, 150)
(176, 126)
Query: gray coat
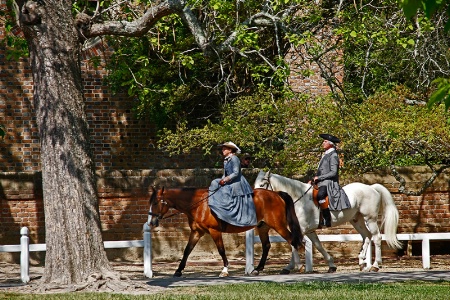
(328, 175)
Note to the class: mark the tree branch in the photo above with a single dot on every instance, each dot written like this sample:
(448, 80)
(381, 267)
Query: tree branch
(402, 188)
(124, 28)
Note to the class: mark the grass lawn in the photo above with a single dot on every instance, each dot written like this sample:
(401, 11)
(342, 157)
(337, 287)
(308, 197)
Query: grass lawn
(304, 291)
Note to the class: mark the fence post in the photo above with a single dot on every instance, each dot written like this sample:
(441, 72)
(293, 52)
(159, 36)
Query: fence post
(147, 251)
(426, 253)
(249, 251)
(308, 255)
(368, 259)
(24, 255)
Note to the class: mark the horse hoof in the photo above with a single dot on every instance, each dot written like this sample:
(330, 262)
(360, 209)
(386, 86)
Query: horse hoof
(223, 274)
(374, 269)
(285, 271)
(254, 273)
(362, 267)
(332, 270)
(302, 269)
(177, 274)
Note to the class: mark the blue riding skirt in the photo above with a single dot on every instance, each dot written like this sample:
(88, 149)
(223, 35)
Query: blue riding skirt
(238, 210)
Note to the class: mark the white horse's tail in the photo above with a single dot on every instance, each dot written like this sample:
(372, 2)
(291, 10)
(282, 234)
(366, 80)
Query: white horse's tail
(390, 218)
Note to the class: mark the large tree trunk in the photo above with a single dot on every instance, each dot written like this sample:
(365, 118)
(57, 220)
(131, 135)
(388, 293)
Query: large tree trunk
(73, 233)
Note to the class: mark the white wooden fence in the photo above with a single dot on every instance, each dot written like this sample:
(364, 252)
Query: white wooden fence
(251, 239)
(25, 248)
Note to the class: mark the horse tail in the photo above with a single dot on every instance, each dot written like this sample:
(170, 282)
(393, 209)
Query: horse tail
(294, 225)
(390, 217)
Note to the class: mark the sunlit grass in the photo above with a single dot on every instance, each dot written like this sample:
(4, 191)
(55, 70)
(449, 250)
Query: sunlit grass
(261, 290)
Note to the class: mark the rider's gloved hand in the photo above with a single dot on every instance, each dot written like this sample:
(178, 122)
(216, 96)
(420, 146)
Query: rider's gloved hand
(222, 182)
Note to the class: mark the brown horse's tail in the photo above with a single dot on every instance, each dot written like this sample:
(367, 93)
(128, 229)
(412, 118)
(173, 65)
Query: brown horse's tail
(294, 225)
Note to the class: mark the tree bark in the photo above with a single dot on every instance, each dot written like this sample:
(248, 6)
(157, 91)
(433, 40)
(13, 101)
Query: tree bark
(72, 225)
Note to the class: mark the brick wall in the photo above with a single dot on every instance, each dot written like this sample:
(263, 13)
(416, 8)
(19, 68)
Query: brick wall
(124, 205)
(309, 75)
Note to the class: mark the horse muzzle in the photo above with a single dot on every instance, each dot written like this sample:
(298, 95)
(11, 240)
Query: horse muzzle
(155, 219)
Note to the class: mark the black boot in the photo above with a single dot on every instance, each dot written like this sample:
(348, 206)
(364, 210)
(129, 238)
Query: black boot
(326, 217)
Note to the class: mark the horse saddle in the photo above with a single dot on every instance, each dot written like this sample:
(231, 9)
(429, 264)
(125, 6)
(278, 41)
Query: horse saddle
(316, 201)
(321, 205)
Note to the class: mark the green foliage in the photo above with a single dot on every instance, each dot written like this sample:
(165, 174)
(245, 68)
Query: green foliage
(442, 93)
(283, 131)
(165, 80)
(388, 131)
(381, 48)
(430, 7)
(255, 123)
(178, 86)
(15, 45)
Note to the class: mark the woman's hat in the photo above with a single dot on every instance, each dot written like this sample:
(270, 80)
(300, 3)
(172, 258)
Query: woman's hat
(231, 145)
(330, 138)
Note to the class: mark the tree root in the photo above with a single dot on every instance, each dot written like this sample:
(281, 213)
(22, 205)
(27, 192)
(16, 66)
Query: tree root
(108, 281)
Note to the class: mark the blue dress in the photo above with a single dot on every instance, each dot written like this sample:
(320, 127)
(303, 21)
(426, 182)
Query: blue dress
(233, 202)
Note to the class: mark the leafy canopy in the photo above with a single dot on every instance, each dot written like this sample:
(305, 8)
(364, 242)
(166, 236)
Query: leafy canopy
(412, 8)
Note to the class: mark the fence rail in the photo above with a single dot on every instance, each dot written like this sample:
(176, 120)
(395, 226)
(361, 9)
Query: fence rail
(25, 248)
(251, 239)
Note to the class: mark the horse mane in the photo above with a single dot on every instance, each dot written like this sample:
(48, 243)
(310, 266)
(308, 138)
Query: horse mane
(291, 186)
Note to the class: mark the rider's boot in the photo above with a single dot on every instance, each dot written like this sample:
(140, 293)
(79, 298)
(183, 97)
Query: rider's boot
(326, 217)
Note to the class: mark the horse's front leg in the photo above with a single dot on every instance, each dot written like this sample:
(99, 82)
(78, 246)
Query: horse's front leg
(193, 239)
(263, 232)
(294, 263)
(217, 237)
(316, 242)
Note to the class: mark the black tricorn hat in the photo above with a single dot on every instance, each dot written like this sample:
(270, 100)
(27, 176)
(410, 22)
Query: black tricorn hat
(330, 138)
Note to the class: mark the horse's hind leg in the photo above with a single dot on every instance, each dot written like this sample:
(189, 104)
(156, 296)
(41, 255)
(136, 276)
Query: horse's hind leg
(376, 237)
(263, 232)
(368, 232)
(193, 239)
(294, 263)
(284, 232)
(217, 237)
(360, 226)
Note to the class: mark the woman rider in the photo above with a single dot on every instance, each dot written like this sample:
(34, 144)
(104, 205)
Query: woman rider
(231, 196)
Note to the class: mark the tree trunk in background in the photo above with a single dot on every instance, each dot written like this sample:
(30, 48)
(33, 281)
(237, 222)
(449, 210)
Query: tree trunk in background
(72, 224)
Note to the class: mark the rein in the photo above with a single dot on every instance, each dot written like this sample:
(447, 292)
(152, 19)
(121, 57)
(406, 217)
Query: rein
(303, 194)
(191, 206)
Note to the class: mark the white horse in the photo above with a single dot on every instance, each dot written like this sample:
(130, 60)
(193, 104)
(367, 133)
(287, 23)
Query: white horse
(365, 200)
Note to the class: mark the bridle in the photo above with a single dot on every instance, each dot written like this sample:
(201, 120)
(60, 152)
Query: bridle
(266, 182)
(161, 216)
(164, 202)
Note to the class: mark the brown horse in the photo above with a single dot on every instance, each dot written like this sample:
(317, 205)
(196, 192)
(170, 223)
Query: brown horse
(273, 209)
